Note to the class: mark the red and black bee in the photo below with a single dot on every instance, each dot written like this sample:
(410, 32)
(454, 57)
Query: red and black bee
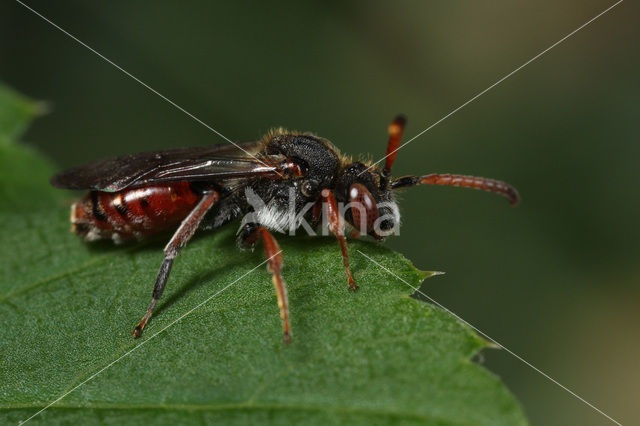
(135, 196)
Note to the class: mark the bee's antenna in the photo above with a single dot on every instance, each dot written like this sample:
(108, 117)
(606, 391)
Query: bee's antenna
(448, 179)
(395, 136)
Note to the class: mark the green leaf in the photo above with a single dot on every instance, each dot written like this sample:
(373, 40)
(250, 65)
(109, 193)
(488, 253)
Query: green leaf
(23, 172)
(16, 112)
(67, 310)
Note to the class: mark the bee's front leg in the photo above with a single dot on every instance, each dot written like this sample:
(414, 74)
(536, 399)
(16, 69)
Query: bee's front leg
(337, 228)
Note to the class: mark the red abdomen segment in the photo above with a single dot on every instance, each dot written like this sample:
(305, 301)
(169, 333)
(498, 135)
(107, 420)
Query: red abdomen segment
(132, 213)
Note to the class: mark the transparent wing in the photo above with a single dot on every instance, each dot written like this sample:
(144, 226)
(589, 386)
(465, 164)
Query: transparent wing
(209, 163)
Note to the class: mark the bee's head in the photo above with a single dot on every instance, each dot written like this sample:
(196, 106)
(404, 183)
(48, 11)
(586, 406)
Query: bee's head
(367, 191)
(370, 206)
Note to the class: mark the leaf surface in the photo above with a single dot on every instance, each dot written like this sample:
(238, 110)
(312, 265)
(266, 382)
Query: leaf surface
(67, 310)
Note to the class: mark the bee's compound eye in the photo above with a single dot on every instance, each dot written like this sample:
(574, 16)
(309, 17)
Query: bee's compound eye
(308, 188)
(363, 208)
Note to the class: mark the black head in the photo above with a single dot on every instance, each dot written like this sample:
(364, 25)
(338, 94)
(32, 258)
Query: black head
(370, 205)
(368, 190)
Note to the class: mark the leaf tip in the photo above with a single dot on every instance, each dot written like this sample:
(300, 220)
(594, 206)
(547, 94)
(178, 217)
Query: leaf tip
(41, 107)
(493, 345)
(428, 274)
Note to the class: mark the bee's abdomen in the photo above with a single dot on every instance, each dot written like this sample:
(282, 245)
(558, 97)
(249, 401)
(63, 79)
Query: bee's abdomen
(132, 213)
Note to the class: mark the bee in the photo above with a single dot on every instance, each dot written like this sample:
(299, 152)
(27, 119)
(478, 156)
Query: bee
(298, 179)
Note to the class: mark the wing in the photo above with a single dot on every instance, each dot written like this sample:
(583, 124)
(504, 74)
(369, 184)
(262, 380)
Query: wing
(183, 164)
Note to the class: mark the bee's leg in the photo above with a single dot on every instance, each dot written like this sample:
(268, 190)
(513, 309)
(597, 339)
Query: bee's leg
(180, 238)
(248, 236)
(337, 229)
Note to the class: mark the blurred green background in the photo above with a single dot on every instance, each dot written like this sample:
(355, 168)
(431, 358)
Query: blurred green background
(556, 280)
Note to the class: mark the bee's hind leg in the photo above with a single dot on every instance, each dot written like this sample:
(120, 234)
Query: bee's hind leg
(180, 238)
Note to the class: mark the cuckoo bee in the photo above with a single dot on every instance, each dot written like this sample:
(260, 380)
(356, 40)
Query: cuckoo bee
(136, 196)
